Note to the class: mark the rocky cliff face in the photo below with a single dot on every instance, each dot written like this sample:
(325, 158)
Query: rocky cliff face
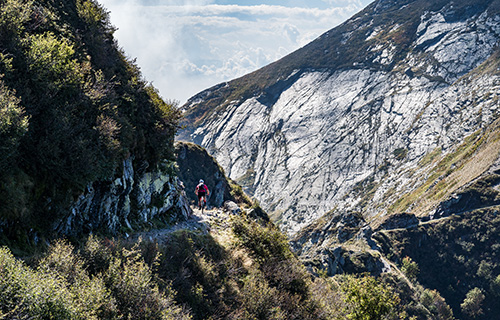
(194, 164)
(132, 199)
(393, 111)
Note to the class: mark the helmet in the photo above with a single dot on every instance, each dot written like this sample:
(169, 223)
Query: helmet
(201, 181)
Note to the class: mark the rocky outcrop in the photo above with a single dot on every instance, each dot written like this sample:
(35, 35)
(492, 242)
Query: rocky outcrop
(129, 200)
(482, 193)
(194, 163)
(391, 112)
(399, 221)
(339, 260)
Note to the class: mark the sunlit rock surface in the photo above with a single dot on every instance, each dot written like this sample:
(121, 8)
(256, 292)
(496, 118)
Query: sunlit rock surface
(361, 137)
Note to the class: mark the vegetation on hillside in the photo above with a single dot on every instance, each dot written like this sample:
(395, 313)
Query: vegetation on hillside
(457, 256)
(242, 270)
(72, 107)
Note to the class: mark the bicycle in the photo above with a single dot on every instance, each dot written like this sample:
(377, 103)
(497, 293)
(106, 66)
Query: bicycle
(203, 205)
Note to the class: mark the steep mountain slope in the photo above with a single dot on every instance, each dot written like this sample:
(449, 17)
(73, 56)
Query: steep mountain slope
(86, 144)
(393, 111)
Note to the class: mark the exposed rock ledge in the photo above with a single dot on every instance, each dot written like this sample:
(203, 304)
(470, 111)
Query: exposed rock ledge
(111, 206)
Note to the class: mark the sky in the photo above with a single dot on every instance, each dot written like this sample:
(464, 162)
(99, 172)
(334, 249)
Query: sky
(186, 46)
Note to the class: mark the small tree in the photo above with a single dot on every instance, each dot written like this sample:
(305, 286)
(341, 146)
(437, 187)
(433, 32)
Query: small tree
(368, 299)
(436, 304)
(485, 270)
(495, 286)
(472, 303)
(410, 268)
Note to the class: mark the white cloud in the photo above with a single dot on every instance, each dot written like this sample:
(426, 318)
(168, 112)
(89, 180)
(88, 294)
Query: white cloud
(186, 46)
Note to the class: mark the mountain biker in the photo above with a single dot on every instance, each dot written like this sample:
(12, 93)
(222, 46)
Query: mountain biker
(202, 193)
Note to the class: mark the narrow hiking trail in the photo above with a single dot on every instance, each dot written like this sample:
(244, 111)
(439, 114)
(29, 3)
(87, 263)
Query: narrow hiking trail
(441, 219)
(202, 222)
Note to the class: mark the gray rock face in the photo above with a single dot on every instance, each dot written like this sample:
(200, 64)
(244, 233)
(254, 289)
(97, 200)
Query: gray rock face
(356, 138)
(231, 207)
(195, 163)
(131, 198)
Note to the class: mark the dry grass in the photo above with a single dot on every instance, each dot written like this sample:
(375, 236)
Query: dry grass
(454, 171)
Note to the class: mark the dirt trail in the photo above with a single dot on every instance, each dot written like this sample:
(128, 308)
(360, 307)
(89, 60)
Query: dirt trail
(198, 221)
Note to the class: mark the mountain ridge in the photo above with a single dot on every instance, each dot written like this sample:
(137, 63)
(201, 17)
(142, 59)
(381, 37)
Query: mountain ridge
(391, 105)
(307, 56)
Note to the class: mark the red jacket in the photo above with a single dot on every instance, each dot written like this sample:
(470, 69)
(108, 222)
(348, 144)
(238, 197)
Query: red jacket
(201, 188)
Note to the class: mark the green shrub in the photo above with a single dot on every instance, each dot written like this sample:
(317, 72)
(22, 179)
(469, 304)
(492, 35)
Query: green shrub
(52, 60)
(13, 126)
(25, 293)
(259, 301)
(263, 242)
(137, 296)
(98, 254)
(95, 16)
(368, 299)
(410, 268)
(14, 14)
(280, 268)
(433, 302)
(90, 297)
(400, 153)
(197, 266)
(62, 288)
(485, 270)
(471, 306)
(495, 286)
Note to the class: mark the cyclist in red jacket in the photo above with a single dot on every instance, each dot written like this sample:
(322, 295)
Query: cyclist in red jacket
(202, 193)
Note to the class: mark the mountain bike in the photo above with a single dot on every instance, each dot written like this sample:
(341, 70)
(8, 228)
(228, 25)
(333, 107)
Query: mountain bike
(202, 204)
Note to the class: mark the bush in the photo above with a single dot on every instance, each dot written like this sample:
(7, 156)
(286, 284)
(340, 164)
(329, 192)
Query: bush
(368, 299)
(259, 301)
(95, 16)
(472, 303)
(52, 61)
(485, 270)
(410, 268)
(495, 286)
(14, 14)
(263, 242)
(137, 296)
(282, 271)
(13, 126)
(90, 297)
(61, 287)
(197, 267)
(433, 301)
(25, 293)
